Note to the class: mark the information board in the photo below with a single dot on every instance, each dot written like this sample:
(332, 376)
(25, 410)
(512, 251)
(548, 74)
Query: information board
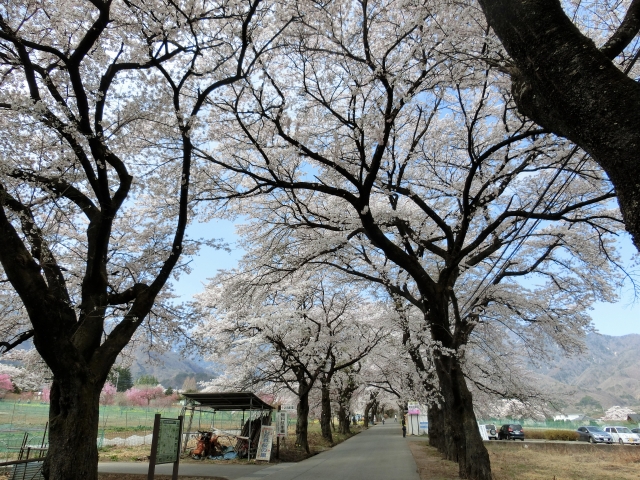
(289, 408)
(168, 440)
(265, 443)
(282, 424)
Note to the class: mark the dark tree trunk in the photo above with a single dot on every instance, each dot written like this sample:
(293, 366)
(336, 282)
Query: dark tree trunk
(367, 411)
(462, 443)
(344, 422)
(302, 423)
(325, 415)
(435, 414)
(563, 82)
(73, 430)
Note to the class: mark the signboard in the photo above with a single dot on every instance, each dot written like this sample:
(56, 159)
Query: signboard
(413, 408)
(265, 443)
(168, 440)
(165, 444)
(282, 424)
(288, 408)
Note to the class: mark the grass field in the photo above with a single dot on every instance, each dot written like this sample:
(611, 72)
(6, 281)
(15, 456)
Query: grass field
(551, 461)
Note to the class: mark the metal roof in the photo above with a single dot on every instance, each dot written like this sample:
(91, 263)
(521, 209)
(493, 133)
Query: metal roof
(228, 401)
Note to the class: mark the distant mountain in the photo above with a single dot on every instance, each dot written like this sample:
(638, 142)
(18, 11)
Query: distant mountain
(609, 371)
(171, 368)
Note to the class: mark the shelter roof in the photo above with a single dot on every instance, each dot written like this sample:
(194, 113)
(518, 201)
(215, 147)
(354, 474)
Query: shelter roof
(228, 401)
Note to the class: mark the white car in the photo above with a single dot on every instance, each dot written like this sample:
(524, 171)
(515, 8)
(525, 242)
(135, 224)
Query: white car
(623, 435)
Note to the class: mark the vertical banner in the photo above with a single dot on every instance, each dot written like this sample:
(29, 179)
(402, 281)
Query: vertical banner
(265, 443)
(282, 423)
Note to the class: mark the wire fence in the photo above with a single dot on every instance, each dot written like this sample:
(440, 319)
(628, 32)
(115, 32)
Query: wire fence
(25, 423)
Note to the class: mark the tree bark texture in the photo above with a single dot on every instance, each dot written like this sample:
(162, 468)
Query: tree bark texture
(464, 444)
(302, 423)
(73, 429)
(563, 82)
(325, 415)
(435, 414)
(344, 422)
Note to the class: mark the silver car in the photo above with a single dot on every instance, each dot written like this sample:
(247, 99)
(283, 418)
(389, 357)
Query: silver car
(594, 435)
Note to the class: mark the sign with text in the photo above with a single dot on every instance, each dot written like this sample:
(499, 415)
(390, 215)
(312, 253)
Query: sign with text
(413, 408)
(165, 444)
(168, 440)
(265, 443)
(288, 408)
(282, 424)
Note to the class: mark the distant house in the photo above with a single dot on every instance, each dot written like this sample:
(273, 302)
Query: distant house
(634, 417)
(572, 417)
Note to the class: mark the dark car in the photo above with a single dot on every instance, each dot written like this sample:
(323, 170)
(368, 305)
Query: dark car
(511, 431)
(594, 435)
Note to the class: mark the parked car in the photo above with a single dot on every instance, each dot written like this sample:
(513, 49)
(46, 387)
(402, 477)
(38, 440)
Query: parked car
(594, 435)
(636, 430)
(511, 431)
(492, 431)
(623, 435)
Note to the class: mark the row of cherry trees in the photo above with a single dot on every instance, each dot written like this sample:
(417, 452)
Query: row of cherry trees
(387, 155)
(375, 139)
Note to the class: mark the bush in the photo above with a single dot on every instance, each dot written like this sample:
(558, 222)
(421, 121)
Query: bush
(555, 434)
(566, 435)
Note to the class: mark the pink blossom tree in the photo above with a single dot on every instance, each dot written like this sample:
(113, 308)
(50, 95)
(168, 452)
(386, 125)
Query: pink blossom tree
(108, 394)
(5, 384)
(143, 395)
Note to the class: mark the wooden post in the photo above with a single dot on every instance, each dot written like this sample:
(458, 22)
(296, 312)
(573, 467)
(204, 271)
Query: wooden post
(154, 447)
(176, 465)
(277, 436)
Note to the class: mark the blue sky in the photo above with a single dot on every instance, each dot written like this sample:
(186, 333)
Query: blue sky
(619, 318)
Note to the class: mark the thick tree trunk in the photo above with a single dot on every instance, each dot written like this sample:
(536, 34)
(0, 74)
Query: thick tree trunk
(563, 82)
(302, 423)
(344, 422)
(462, 441)
(367, 412)
(325, 415)
(435, 414)
(73, 430)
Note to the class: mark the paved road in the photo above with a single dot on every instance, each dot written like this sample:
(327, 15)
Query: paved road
(379, 453)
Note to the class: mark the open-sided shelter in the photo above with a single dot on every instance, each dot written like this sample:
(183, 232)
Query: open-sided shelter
(254, 413)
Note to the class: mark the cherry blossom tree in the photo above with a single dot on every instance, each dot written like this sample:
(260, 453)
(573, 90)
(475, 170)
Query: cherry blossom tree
(297, 333)
(100, 103)
(574, 70)
(389, 155)
(5, 384)
(143, 394)
(108, 394)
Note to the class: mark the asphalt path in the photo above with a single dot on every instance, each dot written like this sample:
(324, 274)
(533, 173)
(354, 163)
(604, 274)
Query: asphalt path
(379, 453)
